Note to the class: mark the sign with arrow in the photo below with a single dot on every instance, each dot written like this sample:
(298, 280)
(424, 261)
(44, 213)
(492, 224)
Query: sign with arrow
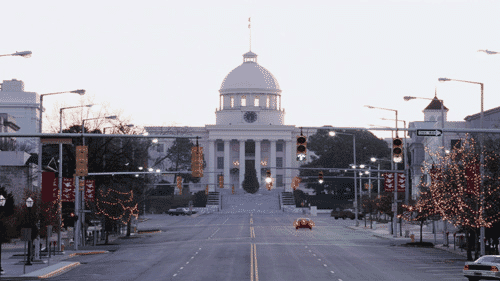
(429, 133)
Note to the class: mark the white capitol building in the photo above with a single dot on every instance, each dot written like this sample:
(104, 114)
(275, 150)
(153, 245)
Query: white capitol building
(249, 130)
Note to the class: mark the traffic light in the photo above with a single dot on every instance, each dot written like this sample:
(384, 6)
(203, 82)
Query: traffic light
(301, 148)
(221, 181)
(82, 161)
(397, 149)
(295, 182)
(197, 161)
(269, 180)
(320, 177)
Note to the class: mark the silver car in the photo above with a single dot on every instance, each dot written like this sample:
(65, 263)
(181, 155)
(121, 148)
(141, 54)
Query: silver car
(486, 267)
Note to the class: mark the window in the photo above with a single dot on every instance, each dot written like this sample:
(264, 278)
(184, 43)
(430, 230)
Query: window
(279, 180)
(159, 147)
(279, 162)
(256, 101)
(220, 146)
(268, 101)
(243, 101)
(279, 146)
(232, 102)
(220, 162)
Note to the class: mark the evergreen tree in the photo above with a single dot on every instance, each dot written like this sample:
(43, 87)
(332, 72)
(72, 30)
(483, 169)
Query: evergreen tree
(250, 183)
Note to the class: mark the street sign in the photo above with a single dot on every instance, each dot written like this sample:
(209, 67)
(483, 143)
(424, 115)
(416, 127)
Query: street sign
(429, 133)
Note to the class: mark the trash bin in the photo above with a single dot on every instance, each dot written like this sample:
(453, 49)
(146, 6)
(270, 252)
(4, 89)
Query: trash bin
(412, 236)
(407, 233)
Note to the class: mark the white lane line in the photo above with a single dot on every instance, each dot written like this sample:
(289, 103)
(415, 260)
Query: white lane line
(332, 271)
(182, 267)
(324, 265)
(175, 274)
(187, 262)
(319, 259)
(192, 257)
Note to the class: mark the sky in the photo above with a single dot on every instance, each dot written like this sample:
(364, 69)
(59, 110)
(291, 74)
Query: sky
(161, 63)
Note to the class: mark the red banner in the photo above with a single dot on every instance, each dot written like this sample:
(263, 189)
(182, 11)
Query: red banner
(473, 177)
(50, 188)
(390, 182)
(49, 193)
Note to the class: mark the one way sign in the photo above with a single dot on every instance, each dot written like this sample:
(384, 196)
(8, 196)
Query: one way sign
(429, 133)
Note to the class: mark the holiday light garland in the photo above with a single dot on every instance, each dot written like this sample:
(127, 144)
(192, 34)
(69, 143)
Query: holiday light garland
(123, 207)
(455, 191)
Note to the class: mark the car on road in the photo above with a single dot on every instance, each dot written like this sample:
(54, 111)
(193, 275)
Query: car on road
(347, 213)
(303, 223)
(486, 267)
(180, 212)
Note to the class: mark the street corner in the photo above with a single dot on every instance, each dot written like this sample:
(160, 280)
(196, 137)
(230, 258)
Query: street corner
(84, 253)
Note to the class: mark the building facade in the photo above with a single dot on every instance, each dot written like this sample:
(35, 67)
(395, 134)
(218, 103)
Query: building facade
(23, 107)
(249, 131)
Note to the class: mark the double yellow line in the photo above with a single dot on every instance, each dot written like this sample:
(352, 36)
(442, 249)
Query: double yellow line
(253, 260)
(252, 232)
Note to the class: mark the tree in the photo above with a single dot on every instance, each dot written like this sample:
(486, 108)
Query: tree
(337, 152)
(250, 183)
(422, 210)
(456, 192)
(7, 218)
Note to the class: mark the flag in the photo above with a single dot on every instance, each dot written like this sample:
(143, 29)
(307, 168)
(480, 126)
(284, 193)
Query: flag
(49, 193)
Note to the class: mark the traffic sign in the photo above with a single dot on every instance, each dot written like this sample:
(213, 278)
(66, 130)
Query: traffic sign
(429, 133)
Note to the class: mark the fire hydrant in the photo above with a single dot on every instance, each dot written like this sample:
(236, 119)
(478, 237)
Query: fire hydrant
(412, 236)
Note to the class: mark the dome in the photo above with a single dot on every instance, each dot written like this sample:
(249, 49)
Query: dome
(250, 77)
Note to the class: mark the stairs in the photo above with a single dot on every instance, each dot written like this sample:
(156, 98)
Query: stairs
(288, 203)
(262, 202)
(214, 200)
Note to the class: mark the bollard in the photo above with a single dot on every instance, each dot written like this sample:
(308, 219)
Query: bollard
(412, 236)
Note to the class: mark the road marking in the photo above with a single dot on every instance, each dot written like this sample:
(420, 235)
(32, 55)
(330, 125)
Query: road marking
(332, 271)
(255, 256)
(182, 267)
(192, 257)
(313, 254)
(213, 234)
(187, 262)
(175, 274)
(324, 265)
(319, 259)
(251, 262)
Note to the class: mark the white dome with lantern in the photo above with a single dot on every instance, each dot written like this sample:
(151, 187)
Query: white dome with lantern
(250, 95)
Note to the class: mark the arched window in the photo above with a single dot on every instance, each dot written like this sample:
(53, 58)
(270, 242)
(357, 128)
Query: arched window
(268, 102)
(232, 102)
(243, 101)
(256, 101)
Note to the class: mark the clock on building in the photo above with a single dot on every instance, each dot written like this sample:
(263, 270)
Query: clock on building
(250, 116)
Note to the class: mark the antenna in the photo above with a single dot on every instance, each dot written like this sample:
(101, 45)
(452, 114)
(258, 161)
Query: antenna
(250, 29)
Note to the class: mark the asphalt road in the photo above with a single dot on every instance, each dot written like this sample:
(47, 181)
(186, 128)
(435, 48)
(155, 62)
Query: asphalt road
(262, 247)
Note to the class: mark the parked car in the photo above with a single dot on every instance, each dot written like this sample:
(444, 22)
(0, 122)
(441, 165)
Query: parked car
(347, 213)
(180, 212)
(486, 267)
(303, 223)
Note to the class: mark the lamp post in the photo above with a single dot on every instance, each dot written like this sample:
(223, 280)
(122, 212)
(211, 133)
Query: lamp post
(80, 92)
(395, 209)
(80, 199)
(481, 168)
(29, 204)
(332, 134)
(60, 172)
(25, 54)
(2, 204)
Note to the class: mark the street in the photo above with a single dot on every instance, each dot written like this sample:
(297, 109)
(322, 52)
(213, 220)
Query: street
(262, 247)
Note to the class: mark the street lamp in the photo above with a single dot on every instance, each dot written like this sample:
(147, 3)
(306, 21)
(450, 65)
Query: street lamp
(128, 125)
(332, 134)
(489, 52)
(395, 176)
(60, 172)
(29, 204)
(24, 54)
(2, 204)
(481, 168)
(83, 124)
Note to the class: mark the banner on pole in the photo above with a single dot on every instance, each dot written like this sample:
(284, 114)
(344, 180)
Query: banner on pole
(390, 182)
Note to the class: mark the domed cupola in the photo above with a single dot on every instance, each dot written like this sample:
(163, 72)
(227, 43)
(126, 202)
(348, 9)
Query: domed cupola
(250, 95)
(250, 77)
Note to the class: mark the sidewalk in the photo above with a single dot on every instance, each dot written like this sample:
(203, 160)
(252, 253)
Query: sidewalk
(13, 261)
(382, 230)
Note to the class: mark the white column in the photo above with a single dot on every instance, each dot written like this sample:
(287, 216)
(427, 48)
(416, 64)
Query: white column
(288, 164)
(257, 160)
(227, 164)
(211, 170)
(273, 161)
(242, 162)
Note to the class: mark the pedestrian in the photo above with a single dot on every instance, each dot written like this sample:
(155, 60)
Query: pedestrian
(495, 245)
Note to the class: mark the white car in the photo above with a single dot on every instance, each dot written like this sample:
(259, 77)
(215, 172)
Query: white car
(486, 267)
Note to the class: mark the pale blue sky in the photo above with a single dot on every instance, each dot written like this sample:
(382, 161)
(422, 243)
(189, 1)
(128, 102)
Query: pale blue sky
(162, 62)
